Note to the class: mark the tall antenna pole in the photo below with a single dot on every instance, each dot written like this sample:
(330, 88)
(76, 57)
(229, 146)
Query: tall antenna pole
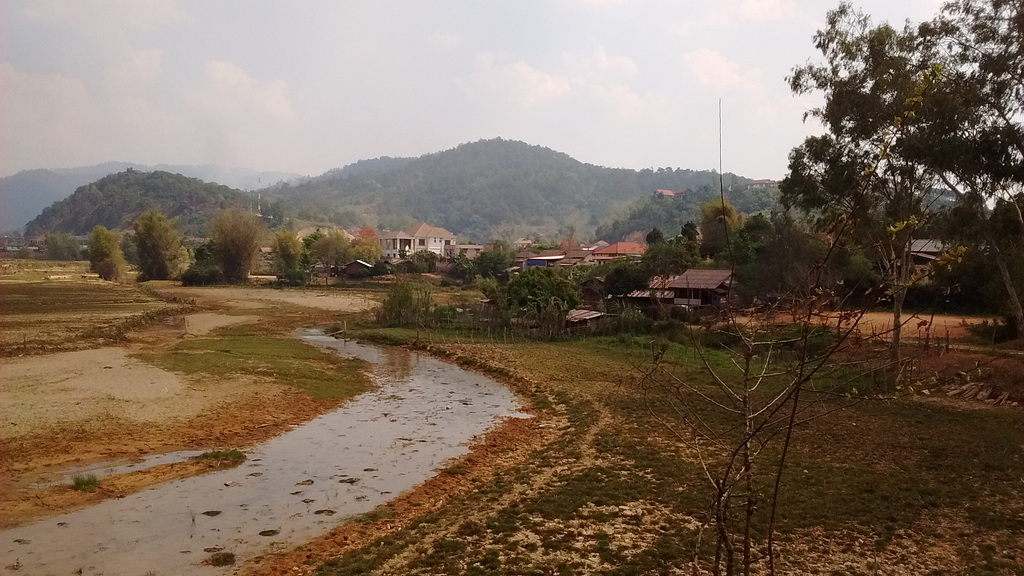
(721, 195)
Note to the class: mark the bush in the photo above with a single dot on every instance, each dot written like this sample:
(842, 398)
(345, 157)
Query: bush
(201, 275)
(294, 277)
(404, 306)
(84, 482)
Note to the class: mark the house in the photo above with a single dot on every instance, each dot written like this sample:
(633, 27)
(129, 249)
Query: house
(595, 246)
(545, 258)
(356, 269)
(672, 193)
(926, 252)
(762, 184)
(522, 244)
(414, 239)
(695, 288)
(582, 320)
(470, 251)
(577, 258)
(618, 250)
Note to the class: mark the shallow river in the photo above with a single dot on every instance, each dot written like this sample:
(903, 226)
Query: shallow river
(291, 488)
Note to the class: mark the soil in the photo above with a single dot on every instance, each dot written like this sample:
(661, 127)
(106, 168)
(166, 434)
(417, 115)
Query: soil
(75, 408)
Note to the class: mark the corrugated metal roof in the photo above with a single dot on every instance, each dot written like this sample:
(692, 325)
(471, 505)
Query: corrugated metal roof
(579, 315)
(697, 278)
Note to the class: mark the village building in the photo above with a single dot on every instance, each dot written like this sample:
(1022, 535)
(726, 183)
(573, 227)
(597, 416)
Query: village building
(470, 251)
(618, 250)
(695, 288)
(418, 238)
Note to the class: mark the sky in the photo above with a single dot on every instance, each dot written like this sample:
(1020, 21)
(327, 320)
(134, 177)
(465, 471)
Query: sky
(312, 85)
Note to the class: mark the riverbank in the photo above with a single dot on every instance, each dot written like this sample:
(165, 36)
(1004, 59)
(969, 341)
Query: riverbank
(226, 375)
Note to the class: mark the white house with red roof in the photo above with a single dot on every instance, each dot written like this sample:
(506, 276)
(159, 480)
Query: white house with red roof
(417, 238)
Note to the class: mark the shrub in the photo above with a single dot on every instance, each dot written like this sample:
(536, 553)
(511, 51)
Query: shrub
(84, 482)
(201, 275)
(404, 306)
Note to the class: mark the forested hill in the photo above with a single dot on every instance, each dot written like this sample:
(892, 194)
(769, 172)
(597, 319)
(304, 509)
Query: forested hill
(115, 201)
(25, 194)
(482, 189)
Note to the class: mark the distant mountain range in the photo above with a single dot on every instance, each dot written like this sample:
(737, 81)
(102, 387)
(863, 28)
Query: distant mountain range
(481, 190)
(25, 194)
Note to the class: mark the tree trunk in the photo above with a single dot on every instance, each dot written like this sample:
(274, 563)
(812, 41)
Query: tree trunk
(1015, 307)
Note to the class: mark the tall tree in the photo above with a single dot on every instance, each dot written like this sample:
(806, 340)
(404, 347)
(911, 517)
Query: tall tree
(158, 244)
(975, 136)
(287, 252)
(105, 256)
(333, 249)
(236, 236)
(860, 176)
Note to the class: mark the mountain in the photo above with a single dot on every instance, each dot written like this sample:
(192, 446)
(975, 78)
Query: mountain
(24, 195)
(483, 189)
(115, 201)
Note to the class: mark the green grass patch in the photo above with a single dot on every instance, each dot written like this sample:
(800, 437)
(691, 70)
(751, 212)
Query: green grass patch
(84, 482)
(244, 350)
(230, 457)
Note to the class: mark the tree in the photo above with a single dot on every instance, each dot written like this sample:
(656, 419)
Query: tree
(62, 246)
(626, 277)
(719, 221)
(332, 249)
(287, 251)
(655, 236)
(105, 256)
(861, 175)
(204, 270)
(366, 246)
(975, 134)
(158, 244)
(236, 236)
(541, 289)
(495, 260)
(669, 258)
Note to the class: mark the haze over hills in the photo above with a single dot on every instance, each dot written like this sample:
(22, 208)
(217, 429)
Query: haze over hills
(484, 189)
(24, 195)
(481, 190)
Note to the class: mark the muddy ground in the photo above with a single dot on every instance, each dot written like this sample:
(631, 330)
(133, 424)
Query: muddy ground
(73, 408)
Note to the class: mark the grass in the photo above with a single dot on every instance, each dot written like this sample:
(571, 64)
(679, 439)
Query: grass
(231, 457)
(252, 350)
(54, 315)
(870, 480)
(84, 482)
(220, 559)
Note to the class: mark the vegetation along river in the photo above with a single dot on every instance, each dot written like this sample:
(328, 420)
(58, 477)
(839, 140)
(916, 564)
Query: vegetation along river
(291, 488)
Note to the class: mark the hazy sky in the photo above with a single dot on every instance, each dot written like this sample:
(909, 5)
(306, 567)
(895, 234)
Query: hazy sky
(305, 86)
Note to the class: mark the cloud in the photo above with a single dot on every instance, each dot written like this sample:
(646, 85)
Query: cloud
(713, 70)
(754, 11)
(232, 91)
(597, 63)
(512, 80)
(97, 17)
(446, 40)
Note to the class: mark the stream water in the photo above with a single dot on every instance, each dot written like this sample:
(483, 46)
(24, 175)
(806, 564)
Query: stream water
(293, 487)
